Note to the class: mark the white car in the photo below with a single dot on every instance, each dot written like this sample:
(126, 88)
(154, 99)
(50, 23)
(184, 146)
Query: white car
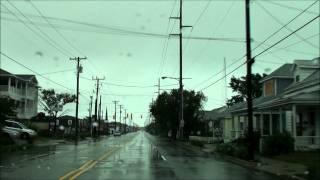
(117, 133)
(24, 132)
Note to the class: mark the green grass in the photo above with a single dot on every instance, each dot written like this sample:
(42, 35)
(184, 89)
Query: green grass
(309, 159)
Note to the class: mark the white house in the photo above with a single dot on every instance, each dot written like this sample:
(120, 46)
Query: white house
(23, 89)
(290, 102)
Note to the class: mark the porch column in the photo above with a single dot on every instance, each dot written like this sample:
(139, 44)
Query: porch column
(270, 123)
(294, 121)
(261, 123)
(280, 119)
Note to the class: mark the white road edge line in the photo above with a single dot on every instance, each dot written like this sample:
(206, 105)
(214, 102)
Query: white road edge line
(163, 158)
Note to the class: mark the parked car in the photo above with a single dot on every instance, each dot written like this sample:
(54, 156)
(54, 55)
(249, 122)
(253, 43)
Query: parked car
(117, 133)
(13, 134)
(24, 132)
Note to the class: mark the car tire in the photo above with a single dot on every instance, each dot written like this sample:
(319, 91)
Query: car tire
(25, 136)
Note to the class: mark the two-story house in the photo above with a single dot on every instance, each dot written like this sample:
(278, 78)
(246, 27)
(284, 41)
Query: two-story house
(23, 89)
(290, 102)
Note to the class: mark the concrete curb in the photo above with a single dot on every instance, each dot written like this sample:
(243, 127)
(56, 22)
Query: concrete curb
(255, 166)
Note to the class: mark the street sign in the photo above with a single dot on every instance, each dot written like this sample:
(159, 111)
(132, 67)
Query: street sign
(182, 123)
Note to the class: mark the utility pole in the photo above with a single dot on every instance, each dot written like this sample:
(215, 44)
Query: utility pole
(107, 122)
(96, 103)
(99, 122)
(121, 106)
(79, 70)
(249, 62)
(225, 79)
(115, 114)
(181, 26)
(90, 116)
(125, 120)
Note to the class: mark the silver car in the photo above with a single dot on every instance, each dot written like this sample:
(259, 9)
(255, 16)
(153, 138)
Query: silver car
(24, 132)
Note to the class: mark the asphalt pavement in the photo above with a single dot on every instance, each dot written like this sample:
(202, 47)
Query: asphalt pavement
(132, 156)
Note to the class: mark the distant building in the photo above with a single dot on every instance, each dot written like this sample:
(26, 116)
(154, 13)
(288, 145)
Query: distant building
(23, 89)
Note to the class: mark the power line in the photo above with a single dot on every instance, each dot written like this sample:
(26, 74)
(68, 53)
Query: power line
(282, 24)
(290, 7)
(118, 31)
(56, 30)
(293, 32)
(55, 72)
(261, 43)
(54, 82)
(49, 39)
(284, 38)
(128, 86)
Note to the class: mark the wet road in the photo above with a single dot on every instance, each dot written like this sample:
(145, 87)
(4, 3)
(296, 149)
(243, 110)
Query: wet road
(132, 156)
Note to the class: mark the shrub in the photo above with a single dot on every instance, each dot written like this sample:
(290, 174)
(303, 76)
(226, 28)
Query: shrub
(241, 151)
(227, 148)
(197, 143)
(280, 143)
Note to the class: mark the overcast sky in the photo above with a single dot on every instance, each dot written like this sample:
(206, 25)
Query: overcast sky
(123, 42)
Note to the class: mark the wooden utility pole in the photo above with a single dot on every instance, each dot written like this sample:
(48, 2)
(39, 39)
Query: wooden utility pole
(90, 116)
(249, 62)
(79, 70)
(181, 26)
(107, 122)
(99, 122)
(115, 115)
(120, 106)
(96, 103)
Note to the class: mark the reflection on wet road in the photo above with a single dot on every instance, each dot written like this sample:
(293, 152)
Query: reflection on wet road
(132, 156)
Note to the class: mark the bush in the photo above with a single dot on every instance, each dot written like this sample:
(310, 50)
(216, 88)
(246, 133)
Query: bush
(227, 148)
(241, 151)
(280, 143)
(197, 143)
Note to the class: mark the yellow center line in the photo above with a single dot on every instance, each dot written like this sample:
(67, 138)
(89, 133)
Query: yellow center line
(94, 163)
(89, 164)
(75, 170)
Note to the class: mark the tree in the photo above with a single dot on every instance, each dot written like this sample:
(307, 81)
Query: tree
(165, 110)
(53, 102)
(239, 85)
(7, 108)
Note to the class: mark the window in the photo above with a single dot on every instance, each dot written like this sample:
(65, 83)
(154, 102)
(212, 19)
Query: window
(258, 122)
(269, 88)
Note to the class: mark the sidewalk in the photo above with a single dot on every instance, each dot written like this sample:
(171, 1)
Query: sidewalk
(268, 165)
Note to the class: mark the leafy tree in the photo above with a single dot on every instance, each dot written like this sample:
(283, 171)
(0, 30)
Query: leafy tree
(52, 100)
(7, 108)
(166, 111)
(239, 86)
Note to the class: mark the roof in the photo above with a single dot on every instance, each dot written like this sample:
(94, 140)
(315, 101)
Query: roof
(24, 77)
(312, 79)
(309, 63)
(3, 72)
(284, 71)
(216, 114)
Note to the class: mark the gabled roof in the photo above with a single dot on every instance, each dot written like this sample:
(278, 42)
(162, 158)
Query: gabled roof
(284, 71)
(3, 72)
(217, 113)
(314, 78)
(24, 77)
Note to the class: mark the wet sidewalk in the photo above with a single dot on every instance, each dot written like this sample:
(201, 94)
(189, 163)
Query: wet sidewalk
(268, 165)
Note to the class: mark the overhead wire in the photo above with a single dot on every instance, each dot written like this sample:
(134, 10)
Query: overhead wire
(276, 43)
(47, 37)
(44, 77)
(261, 43)
(282, 24)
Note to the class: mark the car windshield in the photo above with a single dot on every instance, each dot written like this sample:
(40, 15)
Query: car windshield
(160, 89)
